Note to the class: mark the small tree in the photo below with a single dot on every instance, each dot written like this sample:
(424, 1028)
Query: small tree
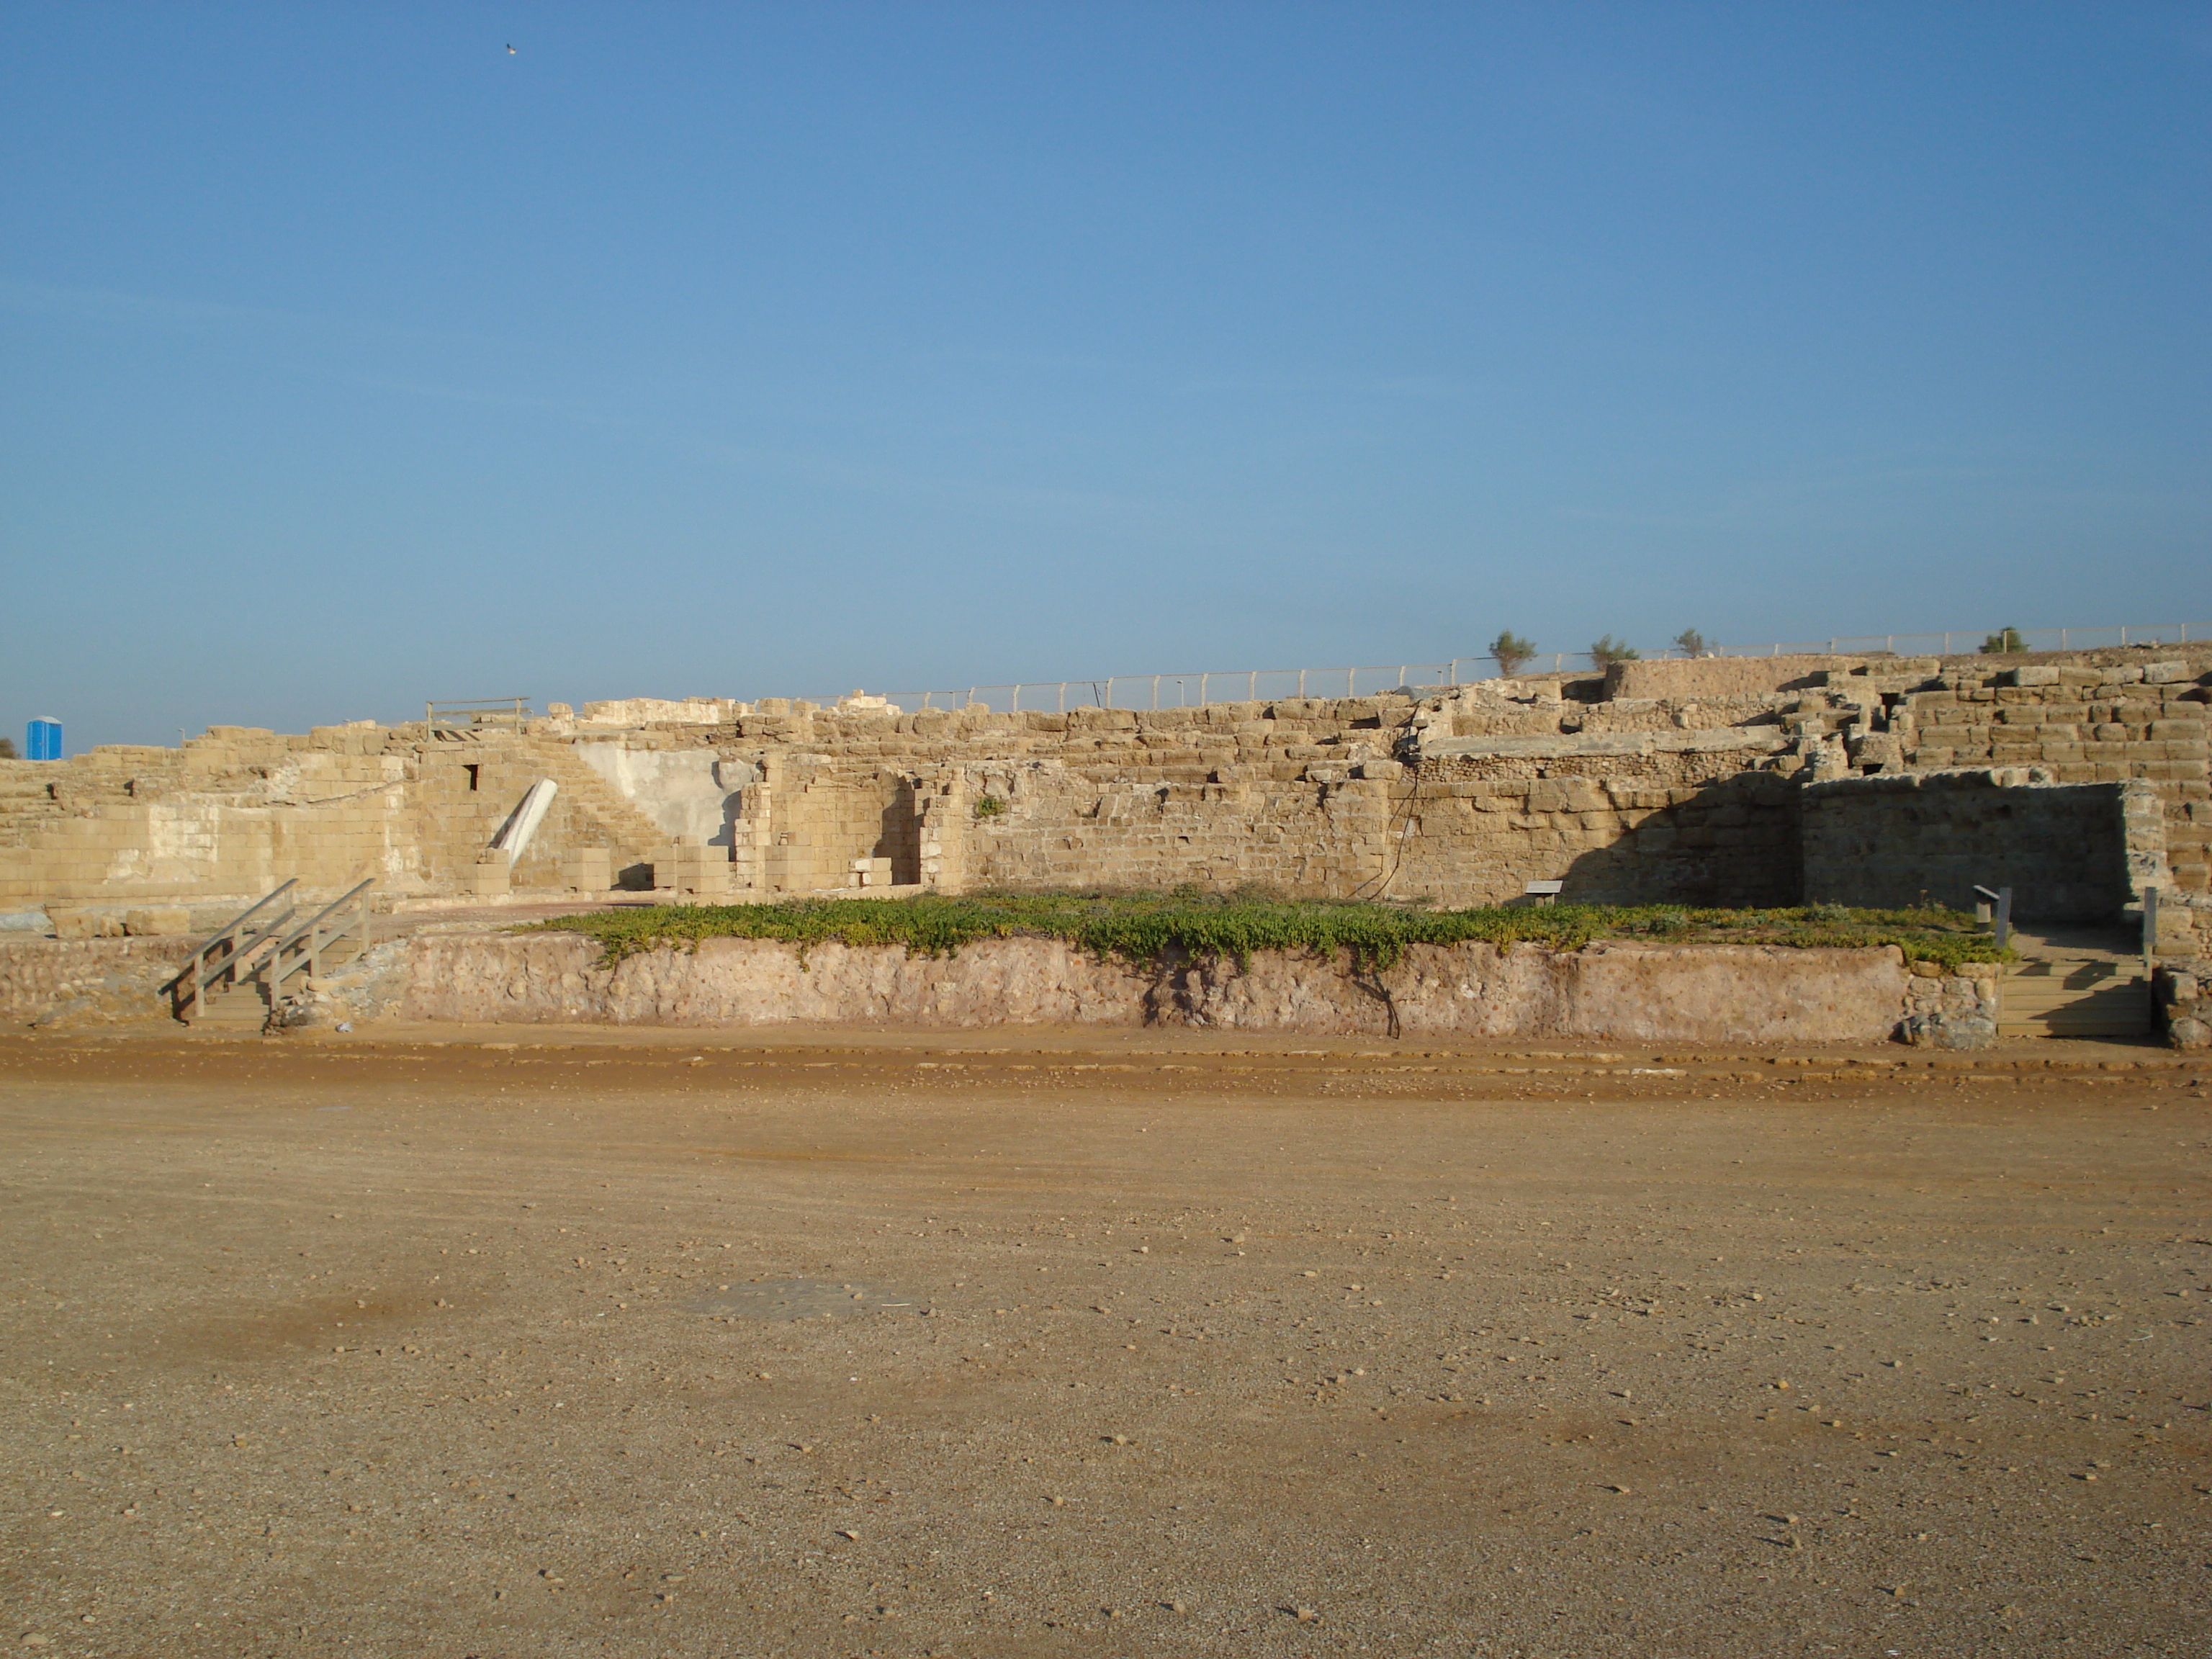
(8, 749)
(2004, 640)
(1513, 652)
(1607, 651)
(1691, 643)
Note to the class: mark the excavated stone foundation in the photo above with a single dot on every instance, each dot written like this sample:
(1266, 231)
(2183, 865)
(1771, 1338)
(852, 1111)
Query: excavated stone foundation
(1707, 993)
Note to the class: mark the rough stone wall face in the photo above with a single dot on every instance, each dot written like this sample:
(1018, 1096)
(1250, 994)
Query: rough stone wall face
(1675, 830)
(1904, 840)
(234, 817)
(1716, 676)
(1611, 992)
(97, 979)
(1689, 795)
(1060, 829)
(821, 818)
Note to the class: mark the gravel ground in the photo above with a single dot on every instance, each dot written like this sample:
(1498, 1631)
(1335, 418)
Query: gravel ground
(587, 1350)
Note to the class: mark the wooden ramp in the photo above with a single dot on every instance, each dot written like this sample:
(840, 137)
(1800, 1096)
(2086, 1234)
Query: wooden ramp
(2074, 997)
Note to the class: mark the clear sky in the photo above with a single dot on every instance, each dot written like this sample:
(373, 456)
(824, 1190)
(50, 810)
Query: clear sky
(348, 359)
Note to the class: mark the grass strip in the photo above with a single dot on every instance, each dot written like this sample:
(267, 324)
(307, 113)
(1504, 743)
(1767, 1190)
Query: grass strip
(1143, 927)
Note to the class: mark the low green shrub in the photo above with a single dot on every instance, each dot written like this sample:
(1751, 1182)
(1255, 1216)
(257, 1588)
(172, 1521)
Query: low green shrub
(1143, 927)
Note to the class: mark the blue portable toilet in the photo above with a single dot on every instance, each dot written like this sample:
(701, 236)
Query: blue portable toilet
(43, 740)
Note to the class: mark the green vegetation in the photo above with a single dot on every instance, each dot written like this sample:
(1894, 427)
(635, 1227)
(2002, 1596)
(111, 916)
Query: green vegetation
(1606, 650)
(1513, 651)
(989, 806)
(1692, 643)
(1142, 926)
(2004, 640)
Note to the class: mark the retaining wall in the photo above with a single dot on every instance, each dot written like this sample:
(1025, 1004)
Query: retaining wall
(92, 980)
(1712, 994)
(1914, 838)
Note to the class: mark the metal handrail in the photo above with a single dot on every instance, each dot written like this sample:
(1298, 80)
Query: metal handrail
(460, 714)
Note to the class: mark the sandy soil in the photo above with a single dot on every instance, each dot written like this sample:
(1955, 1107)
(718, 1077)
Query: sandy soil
(596, 1346)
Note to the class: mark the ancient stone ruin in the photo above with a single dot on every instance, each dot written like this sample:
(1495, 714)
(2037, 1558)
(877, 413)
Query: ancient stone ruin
(2078, 781)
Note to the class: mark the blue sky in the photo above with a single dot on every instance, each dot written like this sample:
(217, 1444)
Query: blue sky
(348, 360)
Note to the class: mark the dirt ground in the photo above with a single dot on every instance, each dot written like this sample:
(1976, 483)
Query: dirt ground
(592, 1344)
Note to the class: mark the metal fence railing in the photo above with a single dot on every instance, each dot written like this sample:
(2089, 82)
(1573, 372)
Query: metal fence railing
(477, 711)
(1193, 690)
(1966, 641)
(1197, 688)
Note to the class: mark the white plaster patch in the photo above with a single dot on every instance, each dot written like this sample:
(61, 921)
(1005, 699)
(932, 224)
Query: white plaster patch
(680, 790)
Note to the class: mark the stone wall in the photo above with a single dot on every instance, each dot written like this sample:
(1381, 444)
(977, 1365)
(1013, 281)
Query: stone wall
(1712, 677)
(237, 811)
(1910, 838)
(1608, 991)
(95, 981)
(1693, 794)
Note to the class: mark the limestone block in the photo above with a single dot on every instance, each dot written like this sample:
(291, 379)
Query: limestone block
(491, 878)
(74, 923)
(588, 870)
(2165, 673)
(1956, 1031)
(157, 921)
(2189, 1034)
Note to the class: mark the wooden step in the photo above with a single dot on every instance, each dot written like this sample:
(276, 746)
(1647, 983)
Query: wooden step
(2075, 998)
(237, 1008)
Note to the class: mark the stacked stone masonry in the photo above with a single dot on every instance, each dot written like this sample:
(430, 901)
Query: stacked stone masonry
(1687, 782)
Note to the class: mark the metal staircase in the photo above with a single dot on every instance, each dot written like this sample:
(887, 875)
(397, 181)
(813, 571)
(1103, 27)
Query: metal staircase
(262, 948)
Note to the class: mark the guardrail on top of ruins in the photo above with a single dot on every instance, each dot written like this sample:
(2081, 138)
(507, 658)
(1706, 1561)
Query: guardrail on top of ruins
(1195, 690)
(475, 712)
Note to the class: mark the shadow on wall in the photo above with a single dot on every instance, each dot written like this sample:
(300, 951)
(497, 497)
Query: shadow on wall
(1735, 843)
(900, 839)
(1905, 839)
(735, 776)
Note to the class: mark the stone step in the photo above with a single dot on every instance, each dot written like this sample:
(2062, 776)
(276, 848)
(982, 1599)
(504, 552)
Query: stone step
(2073, 997)
(635, 835)
(242, 1007)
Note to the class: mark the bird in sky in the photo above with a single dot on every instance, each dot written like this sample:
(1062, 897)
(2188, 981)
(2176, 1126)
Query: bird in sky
(510, 51)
